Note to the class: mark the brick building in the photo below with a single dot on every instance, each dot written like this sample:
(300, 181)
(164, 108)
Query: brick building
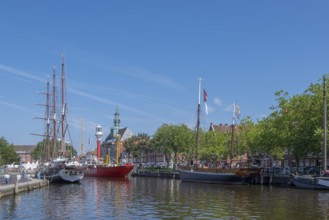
(24, 152)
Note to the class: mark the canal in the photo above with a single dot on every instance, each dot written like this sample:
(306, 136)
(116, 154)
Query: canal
(157, 198)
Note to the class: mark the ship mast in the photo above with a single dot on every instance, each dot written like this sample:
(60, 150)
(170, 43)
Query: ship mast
(82, 138)
(54, 114)
(47, 119)
(63, 109)
(236, 115)
(116, 134)
(232, 137)
(198, 123)
(324, 125)
(48, 122)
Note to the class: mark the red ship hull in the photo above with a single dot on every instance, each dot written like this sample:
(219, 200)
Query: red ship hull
(102, 171)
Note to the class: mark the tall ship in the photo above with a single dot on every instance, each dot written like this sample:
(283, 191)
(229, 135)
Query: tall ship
(112, 167)
(58, 165)
(230, 175)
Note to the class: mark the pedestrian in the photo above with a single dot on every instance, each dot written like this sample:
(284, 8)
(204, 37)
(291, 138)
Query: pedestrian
(7, 178)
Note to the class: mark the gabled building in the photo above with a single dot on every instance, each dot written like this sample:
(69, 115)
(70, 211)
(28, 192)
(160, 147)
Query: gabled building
(24, 152)
(109, 144)
(223, 128)
(117, 134)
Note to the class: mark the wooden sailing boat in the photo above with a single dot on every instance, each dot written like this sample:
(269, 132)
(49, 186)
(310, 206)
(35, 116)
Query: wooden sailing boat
(218, 175)
(59, 169)
(317, 182)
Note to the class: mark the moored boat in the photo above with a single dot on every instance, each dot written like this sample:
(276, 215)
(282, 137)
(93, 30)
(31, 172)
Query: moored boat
(311, 182)
(57, 168)
(109, 171)
(219, 175)
(97, 168)
(211, 177)
(58, 172)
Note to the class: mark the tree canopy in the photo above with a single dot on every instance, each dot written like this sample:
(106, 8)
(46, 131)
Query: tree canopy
(7, 153)
(40, 152)
(137, 145)
(173, 139)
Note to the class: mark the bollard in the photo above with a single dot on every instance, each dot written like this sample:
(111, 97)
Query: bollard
(16, 188)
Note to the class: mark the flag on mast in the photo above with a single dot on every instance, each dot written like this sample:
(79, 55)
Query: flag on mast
(237, 111)
(205, 97)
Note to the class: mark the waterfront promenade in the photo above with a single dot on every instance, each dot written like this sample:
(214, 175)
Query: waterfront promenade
(16, 184)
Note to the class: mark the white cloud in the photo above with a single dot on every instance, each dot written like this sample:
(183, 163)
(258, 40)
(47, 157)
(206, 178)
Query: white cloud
(229, 108)
(11, 105)
(122, 93)
(109, 102)
(146, 75)
(218, 101)
(128, 70)
(19, 73)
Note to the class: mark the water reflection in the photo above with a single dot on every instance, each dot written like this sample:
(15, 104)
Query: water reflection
(252, 202)
(106, 197)
(323, 201)
(156, 198)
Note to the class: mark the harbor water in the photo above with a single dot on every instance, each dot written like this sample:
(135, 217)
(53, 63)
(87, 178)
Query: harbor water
(158, 198)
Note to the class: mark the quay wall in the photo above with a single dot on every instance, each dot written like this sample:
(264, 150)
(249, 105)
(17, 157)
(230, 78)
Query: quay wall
(18, 187)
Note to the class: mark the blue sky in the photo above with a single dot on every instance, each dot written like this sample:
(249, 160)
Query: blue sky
(146, 56)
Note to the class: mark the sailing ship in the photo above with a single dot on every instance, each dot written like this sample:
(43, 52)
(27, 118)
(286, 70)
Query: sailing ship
(60, 168)
(106, 169)
(215, 175)
(317, 182)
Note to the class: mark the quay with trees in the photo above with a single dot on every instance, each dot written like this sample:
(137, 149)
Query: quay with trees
(291, 135)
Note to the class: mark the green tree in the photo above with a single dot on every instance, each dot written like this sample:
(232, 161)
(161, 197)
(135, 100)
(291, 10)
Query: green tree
(295, 124)
(7, 152)
(248, 141)
(213, 146)
(138, 145)
(131, 147)
(40, 152)
(71, 151)
(173, 139)
(144, 144)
